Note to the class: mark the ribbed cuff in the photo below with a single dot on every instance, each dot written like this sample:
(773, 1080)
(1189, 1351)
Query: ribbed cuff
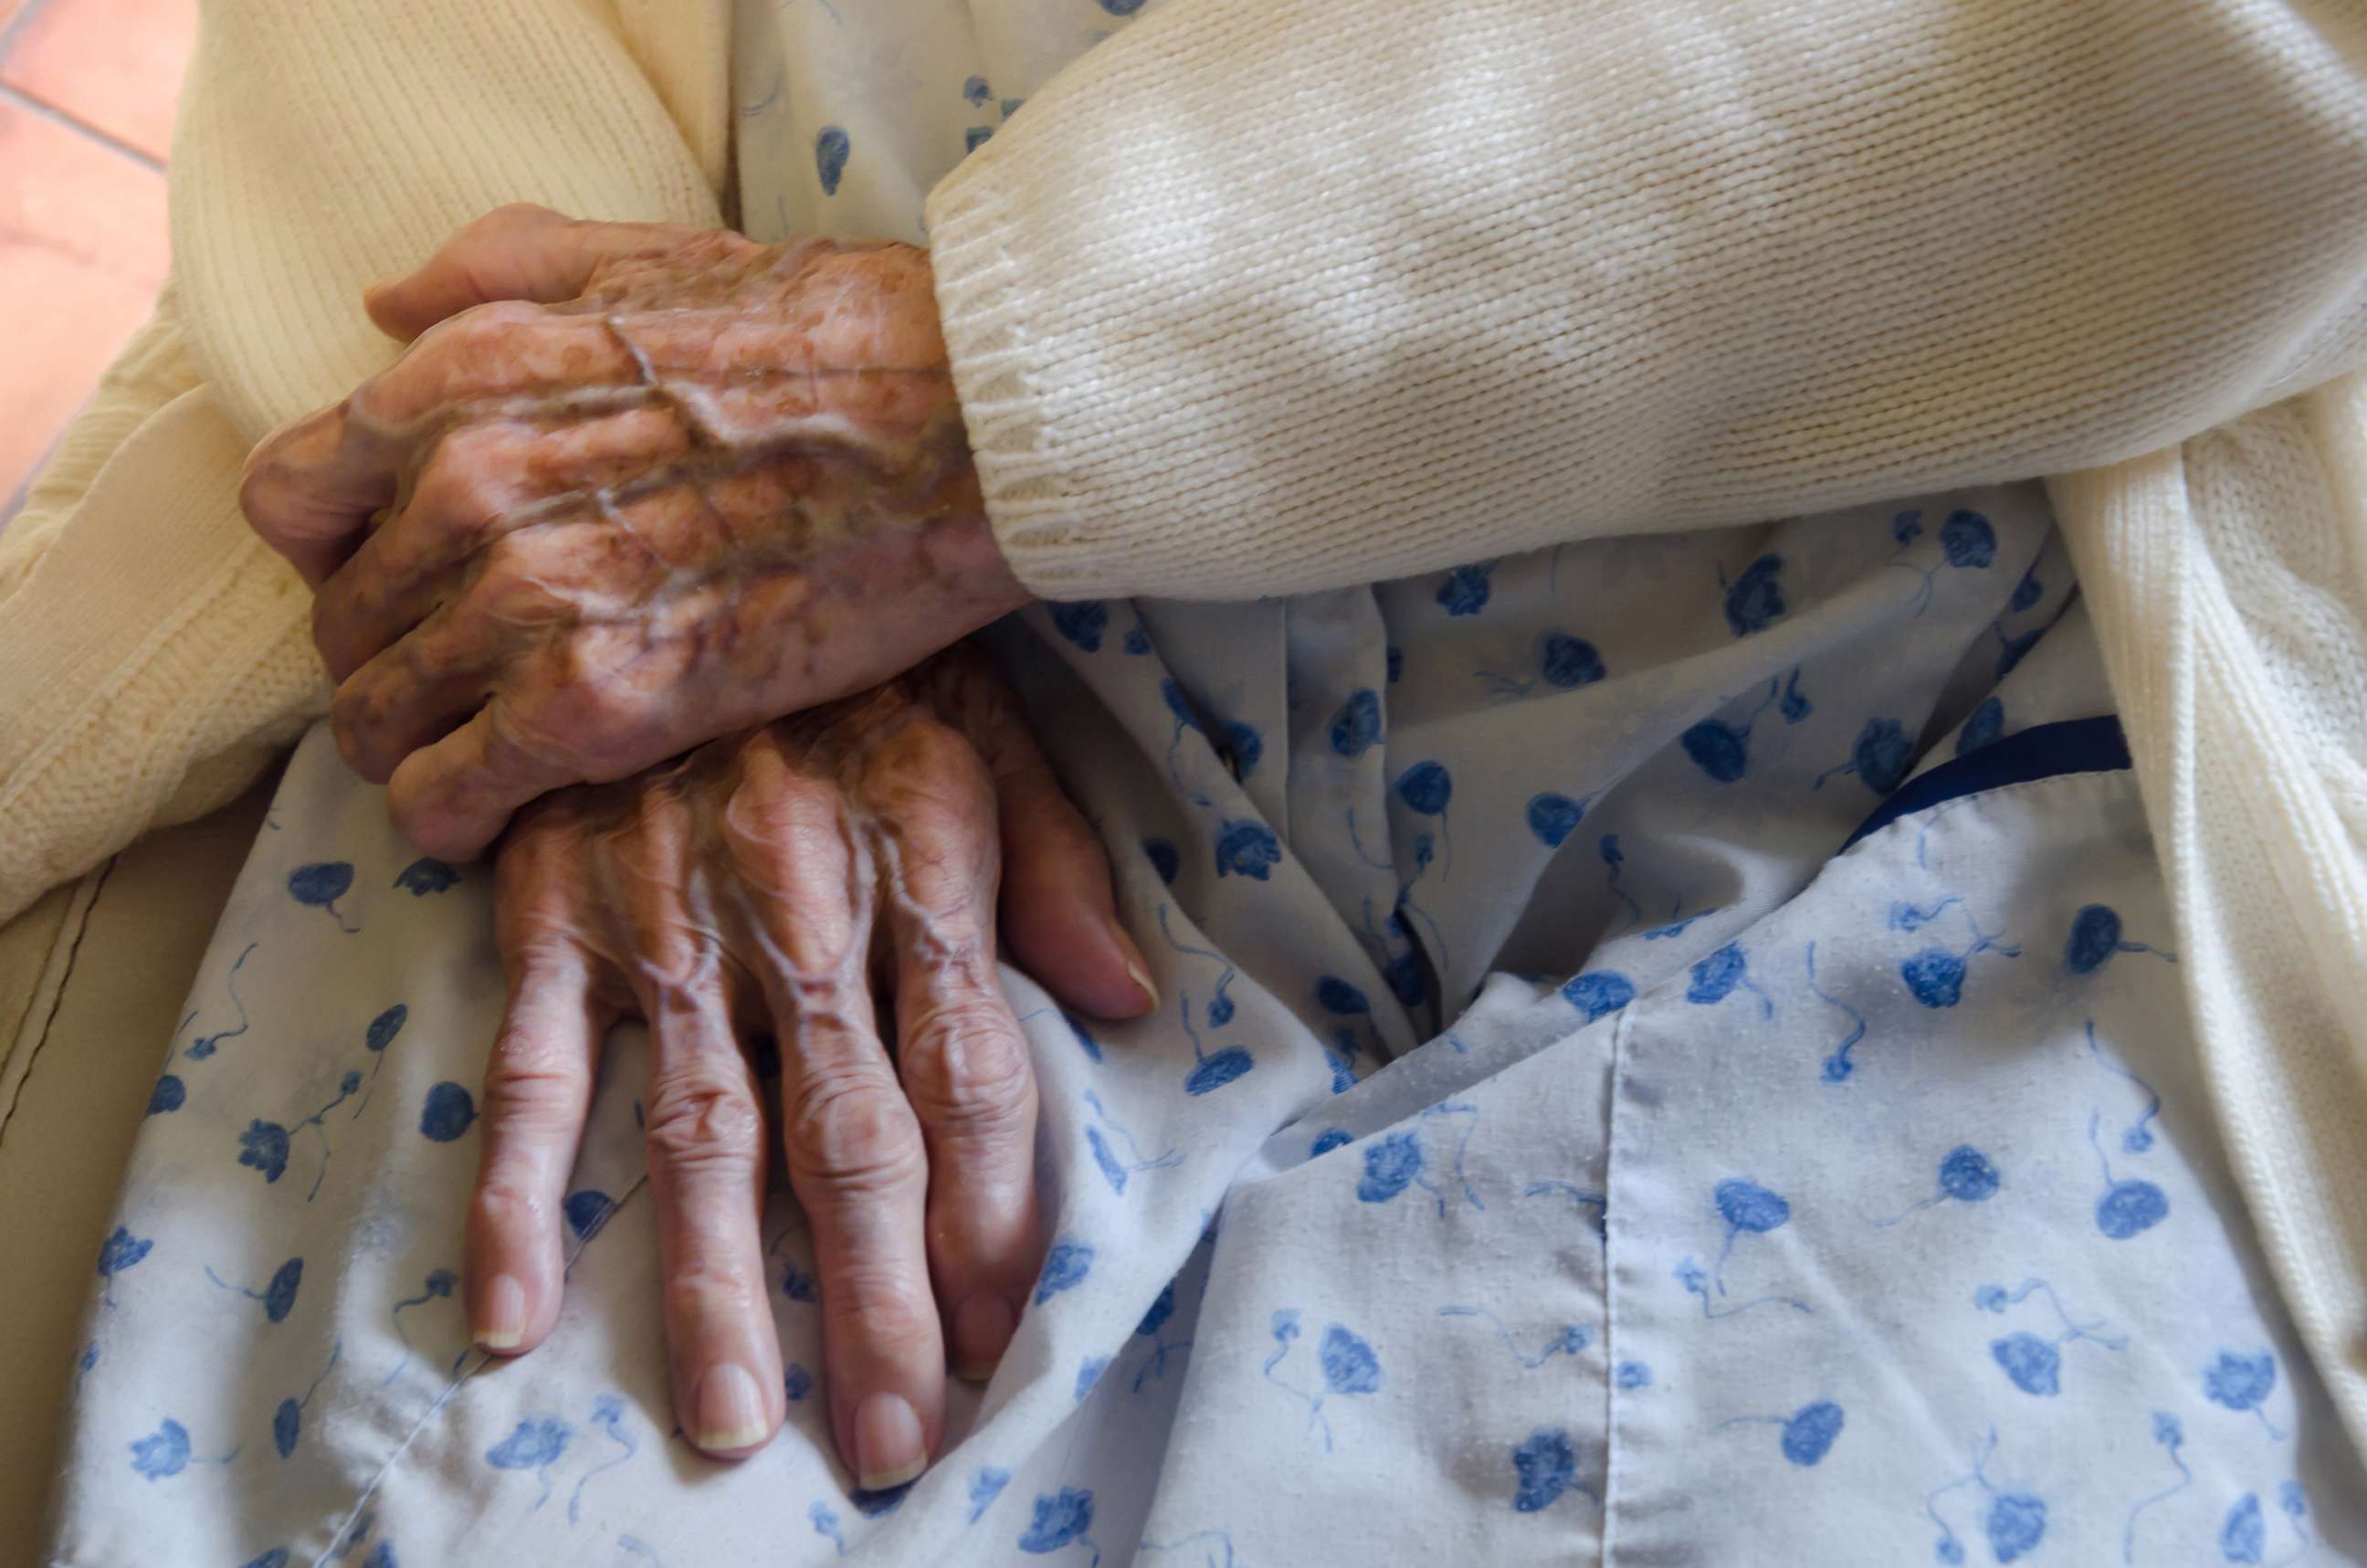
(983, 300)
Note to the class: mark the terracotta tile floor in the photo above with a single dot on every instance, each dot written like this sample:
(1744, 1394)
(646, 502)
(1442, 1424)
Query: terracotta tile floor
(87, 90)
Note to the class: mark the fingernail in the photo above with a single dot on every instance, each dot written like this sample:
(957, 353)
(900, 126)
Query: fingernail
(982, 1329)
(888, 1449)
(1135, 972)
(503, 1325)
(730, 1411)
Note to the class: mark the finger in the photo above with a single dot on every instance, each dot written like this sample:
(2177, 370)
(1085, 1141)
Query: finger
(311, 487)
(310, 495)
(518, 252)
(514, 621)
(853, 1150)
(538, 1093)
(418, 691)
(600, 702)
(576, 722)
(962, 1058)
(480, 481)
(706, 1139)
(452, 798)
(706, 1152)
(1058, 913)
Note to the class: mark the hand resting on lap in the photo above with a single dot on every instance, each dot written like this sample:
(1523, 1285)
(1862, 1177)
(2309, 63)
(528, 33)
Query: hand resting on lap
(632, 487)
(762, 885)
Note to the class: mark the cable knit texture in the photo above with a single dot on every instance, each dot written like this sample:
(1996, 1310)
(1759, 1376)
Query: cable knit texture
(1260, 296)
(151, 653)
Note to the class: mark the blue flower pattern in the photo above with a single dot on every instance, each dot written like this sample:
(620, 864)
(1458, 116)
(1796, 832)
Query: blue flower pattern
(533, 1447)
(319, 885)
(1148, 1116)
(1345, 1361)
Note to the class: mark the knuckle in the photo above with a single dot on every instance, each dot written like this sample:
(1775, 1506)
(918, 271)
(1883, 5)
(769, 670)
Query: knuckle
(538, 931)
(712, 1289)
(357, 716)
(887, 1309)
(967, 1072)
(534, 1085)
(593, 687)
(675, 944)
(854, 1134)
(660, 812)
(511, 585)
(673, 965)
(460, 491)
(491, 324)
(503, 1206)
(544, 728)
(705, 1116)
(444, 365)
(382, 402)
(927, 753)
(511, 215)
(775, 814)
(420, 802)
(487, 329)
(929, 786)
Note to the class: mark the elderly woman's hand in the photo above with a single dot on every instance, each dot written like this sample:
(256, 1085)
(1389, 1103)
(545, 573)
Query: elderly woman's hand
(645, 486)
(758, 887)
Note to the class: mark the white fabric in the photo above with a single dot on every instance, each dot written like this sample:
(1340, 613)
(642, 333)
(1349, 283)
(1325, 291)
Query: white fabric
(1855, 1209)
(2230, 595)
(2105, 225)
(1266, 297)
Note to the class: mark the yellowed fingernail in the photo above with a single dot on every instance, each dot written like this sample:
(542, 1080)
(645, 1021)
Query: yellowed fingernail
(887, 1479)
(1134, 972)
(888, 1451)
(503, 1327)
(730, 1411)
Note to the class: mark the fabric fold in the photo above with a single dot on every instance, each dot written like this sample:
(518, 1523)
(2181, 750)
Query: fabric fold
(2223, 579)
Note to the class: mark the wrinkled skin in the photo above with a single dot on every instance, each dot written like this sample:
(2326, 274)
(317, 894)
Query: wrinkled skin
(766, 885)
(630, 488)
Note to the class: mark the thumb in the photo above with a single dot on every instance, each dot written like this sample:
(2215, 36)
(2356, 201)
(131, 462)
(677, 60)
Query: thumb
(518, 252)
(1059, 914)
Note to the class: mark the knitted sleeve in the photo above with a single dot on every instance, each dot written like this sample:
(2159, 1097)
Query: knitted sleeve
(1263, 296)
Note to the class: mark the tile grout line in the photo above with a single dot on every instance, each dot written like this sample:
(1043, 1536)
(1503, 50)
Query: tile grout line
(17, 24)
(12, 33)
(25, 100)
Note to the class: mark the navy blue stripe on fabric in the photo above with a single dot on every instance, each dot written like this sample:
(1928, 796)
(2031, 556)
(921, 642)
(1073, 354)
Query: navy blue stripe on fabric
(2042, 751)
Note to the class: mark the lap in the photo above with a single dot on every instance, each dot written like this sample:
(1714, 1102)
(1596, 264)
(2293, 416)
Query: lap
(1542, 1120)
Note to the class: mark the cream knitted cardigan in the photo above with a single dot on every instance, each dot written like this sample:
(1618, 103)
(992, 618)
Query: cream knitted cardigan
(1266, 295)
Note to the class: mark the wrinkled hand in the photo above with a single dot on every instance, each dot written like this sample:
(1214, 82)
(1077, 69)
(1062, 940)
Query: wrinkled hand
(754, 888)
(633, 487)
